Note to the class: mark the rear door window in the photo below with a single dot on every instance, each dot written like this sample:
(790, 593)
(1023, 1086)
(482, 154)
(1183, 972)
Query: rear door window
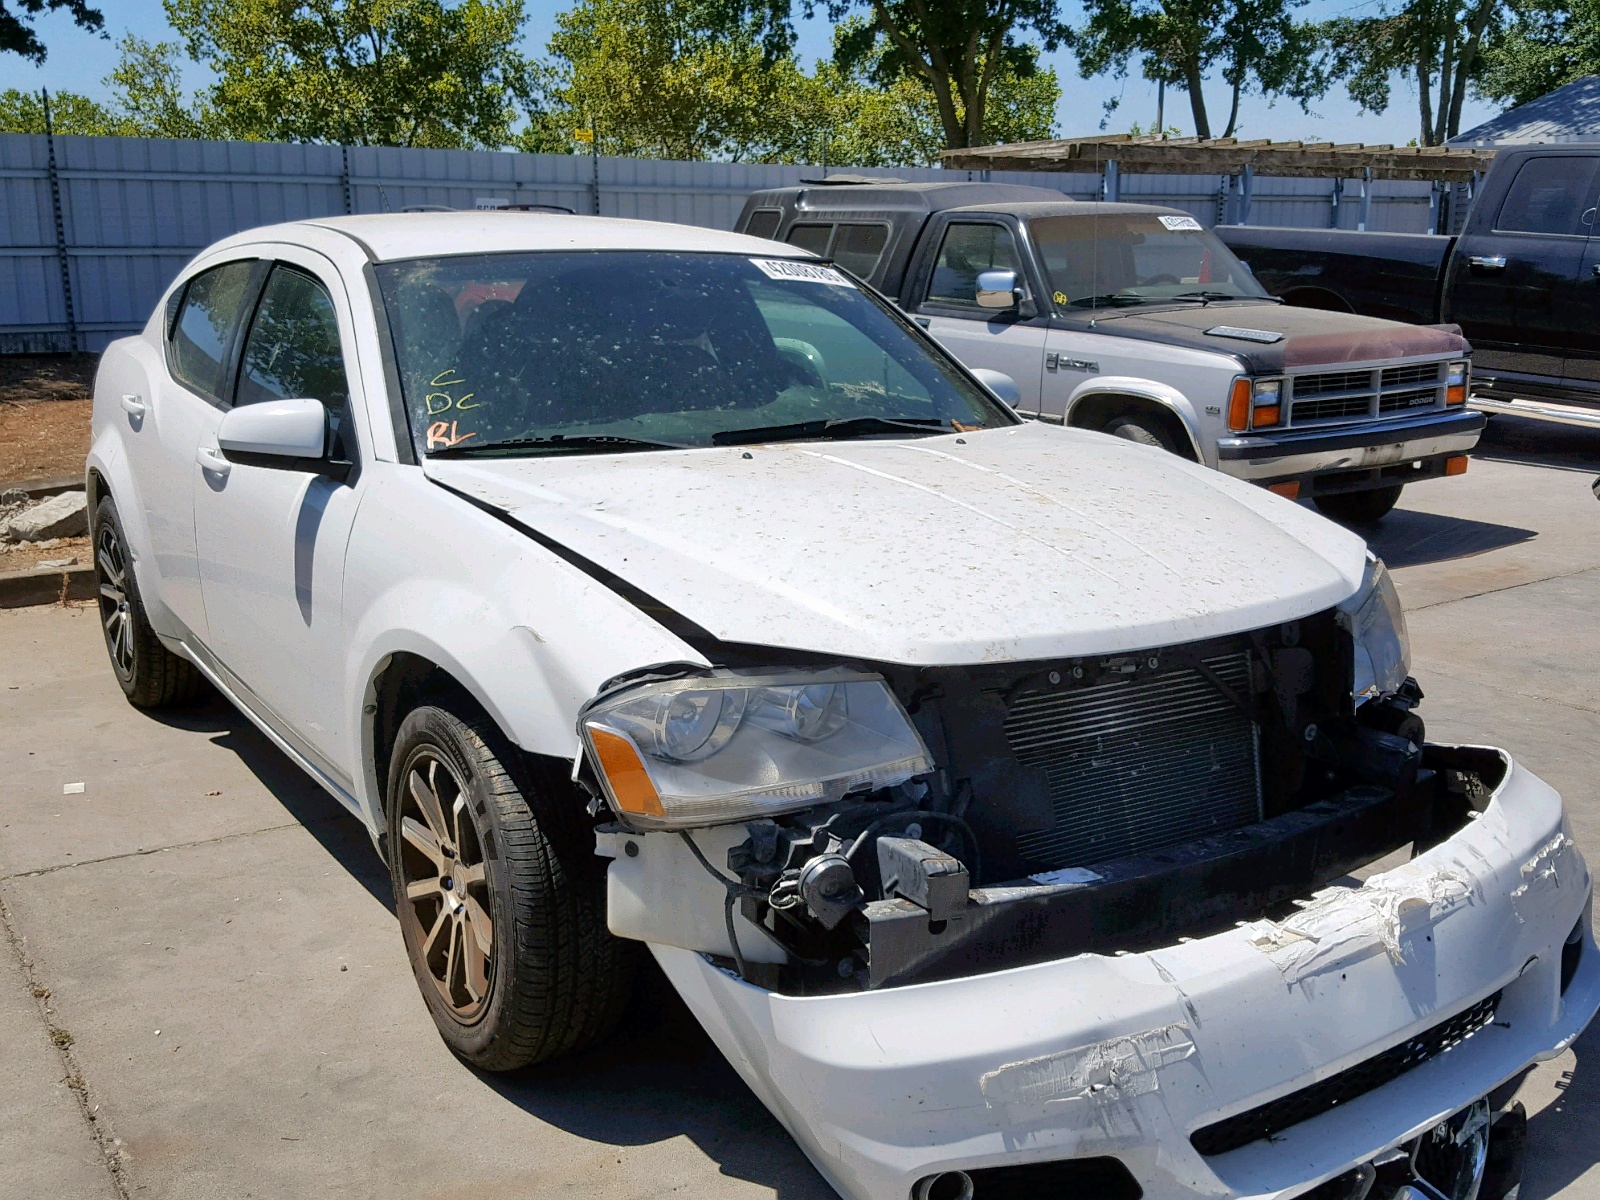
(966, 252)
(1548, 196)
(208, 316)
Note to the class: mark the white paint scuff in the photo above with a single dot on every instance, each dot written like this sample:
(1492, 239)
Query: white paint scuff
(1117, 1069)
(1338, 924)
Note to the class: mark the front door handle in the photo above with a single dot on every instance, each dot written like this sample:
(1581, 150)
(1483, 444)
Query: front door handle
(133, 406)
(210, 459)
(1487, 262)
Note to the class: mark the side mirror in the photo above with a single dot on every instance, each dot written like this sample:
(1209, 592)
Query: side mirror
(998, 290)
(1001, 384)
(276, 433)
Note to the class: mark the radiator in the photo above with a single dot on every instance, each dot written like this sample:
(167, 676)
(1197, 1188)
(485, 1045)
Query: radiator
(1139, 764)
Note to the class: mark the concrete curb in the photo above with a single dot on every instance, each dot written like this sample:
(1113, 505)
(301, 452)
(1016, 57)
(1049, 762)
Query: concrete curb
(38, 489)
(46, 585)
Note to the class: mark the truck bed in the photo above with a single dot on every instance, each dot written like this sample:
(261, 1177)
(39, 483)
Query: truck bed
(1393, 275)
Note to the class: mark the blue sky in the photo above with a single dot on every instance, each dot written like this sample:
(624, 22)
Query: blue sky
(79, 61)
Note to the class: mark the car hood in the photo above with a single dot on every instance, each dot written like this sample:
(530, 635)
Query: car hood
(1022, 543)
(1306, 337)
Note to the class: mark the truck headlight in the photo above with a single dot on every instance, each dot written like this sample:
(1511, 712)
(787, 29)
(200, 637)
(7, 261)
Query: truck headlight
(1255, 404)
(1378, 628)
(712, 749)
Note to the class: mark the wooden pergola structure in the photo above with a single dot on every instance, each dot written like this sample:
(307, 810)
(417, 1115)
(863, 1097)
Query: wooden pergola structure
(1113, 155)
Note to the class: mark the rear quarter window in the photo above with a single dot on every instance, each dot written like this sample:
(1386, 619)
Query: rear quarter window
(1547, 196)
(763, 223)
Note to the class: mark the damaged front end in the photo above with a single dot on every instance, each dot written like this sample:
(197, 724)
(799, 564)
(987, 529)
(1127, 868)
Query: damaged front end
(1118, 914)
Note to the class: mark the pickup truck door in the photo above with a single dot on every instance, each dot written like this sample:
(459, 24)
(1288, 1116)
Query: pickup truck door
(1513, 283)
(271, 540)
(947, 304)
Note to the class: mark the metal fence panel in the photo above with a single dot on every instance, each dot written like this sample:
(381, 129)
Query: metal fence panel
(134, 210)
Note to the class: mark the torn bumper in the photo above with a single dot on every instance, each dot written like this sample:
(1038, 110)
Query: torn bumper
(1131, 1056)
(1386, 445)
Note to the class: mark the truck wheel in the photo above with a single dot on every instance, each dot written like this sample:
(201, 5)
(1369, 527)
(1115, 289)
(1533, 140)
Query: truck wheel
(500, 896)
(1359, 508)
(1144, 432)
(151, 676)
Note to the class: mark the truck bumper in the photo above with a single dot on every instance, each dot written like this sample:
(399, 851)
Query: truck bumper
(1129, 1057)
(1352, 458)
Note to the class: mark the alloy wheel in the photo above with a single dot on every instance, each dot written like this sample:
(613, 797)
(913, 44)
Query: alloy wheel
(116, 616)
(446, 883)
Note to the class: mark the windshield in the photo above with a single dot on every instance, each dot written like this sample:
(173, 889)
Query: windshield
(605, 351)
(1137, 258)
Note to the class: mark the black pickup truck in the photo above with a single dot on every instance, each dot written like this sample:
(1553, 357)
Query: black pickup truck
(1522, 280)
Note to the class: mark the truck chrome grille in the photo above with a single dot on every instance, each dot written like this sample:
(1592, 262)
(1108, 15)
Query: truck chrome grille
(1138, 764)
(1329, 397)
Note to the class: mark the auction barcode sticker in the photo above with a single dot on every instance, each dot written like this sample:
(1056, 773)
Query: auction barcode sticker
(1172, 222)
(806, 272)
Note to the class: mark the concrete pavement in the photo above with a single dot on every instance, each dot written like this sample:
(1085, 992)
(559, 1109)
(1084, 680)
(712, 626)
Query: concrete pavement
(203, 992)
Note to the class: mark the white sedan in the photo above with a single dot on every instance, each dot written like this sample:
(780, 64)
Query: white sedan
(1004, 799)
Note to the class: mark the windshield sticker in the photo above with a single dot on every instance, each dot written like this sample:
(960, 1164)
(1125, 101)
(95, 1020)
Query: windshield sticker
(442, 435)
(1060, 298)
(1179, 222)
(806, 272)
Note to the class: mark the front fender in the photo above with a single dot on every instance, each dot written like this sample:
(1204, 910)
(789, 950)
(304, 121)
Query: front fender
(1155, 392)
(528, 635)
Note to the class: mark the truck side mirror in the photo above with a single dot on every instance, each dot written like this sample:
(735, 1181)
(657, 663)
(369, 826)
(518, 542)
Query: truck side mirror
(998, 290)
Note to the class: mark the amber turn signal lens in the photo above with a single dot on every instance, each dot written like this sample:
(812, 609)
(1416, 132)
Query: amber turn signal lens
(1269, 414)
(625, 774)
(1456, 394)
(1456, 465)
(1289, 491)
(1239, 406)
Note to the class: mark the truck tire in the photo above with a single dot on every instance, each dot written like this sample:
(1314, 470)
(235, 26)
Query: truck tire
(1146, 433)
(500, 896)
(1359, 508)
(150, 675)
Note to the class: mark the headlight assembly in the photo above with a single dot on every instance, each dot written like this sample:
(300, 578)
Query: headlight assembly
(1378, 628)
(707, 750)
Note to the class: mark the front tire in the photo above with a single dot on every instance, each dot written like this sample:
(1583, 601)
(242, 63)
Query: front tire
(500, 896)
(1145, 433)
(150, 675)
(1359, 508)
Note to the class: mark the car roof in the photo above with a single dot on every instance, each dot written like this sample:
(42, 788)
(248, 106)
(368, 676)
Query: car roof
(823, 197)
(392, 236)
(1075, 208)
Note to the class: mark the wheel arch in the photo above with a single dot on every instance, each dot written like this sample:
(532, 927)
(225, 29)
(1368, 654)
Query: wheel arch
(1095, 404)
(1322, 298)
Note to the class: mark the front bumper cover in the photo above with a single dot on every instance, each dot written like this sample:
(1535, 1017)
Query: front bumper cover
(1128, 1056)
(1294, 454)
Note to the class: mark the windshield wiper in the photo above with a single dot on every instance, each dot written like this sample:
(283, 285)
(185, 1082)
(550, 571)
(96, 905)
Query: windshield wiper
(1109, 298)
(834, 427)
(558, 441)
(1208, 297)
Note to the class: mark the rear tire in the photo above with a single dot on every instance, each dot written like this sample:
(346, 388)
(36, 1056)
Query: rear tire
(151, 676)
(1145, 433)
(500, 896)
(1359, 508)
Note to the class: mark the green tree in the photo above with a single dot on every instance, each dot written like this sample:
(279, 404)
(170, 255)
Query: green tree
(149, 100)
(957, 49)
(1437, 44)
(666, 78)
(1255, 46)
(358, 72)
(17, 34)
(70, 113)
(1542, 45)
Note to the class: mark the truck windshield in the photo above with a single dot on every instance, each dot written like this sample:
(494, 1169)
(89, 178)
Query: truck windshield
(1137, 258)
(597, 352)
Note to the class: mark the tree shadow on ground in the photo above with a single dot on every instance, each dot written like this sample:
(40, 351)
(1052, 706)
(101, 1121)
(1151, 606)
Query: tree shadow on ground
(1564, 1139)
(657, 1077)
